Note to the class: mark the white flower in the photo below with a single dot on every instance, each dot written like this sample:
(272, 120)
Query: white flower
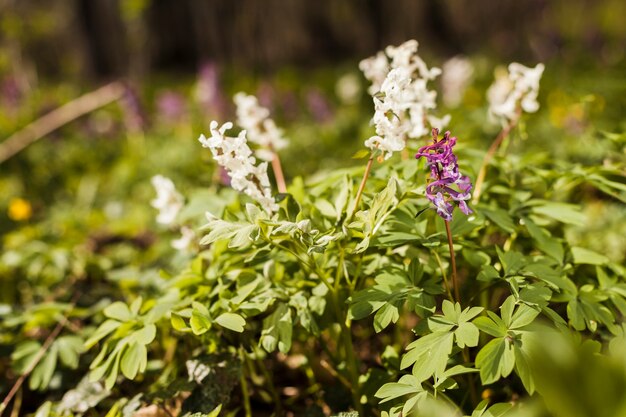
(402, 100)
(517, 89)
(375, 69)
(262, 130)
(186, 239)
(234, 154)
(457, 75)
(168, 201)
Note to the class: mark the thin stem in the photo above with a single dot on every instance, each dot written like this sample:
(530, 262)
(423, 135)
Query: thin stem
(244, 387)
(40, 354)
(366, 174)
(482, 172)
(278, 173)
(455, 282)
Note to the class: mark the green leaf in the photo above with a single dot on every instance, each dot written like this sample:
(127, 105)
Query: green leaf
(406, 385)
(429, 355)
(326, 208)
(501, 218)
(70, 348)
(522, 368)
(512, 261)
(42, 374)
(586, 256)
(134, 360)
(231, 321)
(498, 410)
(119, 311)
(366, 302)
(145, 335)
(490, 326)
(562, 212)
(387, 314)
(506, 310)
(200, 320)
(551, 246)
(454, 371)
(496, 359)
(178, 322)
(466, 335)
(277, 330)
(103, 330)
(523, 316)
(488, 273)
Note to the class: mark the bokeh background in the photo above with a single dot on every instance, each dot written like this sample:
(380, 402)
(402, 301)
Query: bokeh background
(90, 39)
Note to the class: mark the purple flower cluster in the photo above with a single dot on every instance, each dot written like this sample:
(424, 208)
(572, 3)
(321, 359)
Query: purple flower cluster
(444, 171)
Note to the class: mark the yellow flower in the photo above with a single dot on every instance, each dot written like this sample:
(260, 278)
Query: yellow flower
(19, 209)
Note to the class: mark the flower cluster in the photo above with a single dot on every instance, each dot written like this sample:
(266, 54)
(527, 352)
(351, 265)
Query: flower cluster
(234, 154)
(444, 171)
(262, 130)
(514, 92)
(168, 200)
(402, 99)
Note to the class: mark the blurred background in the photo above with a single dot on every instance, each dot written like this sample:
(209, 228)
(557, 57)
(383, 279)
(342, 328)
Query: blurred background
(95, 39)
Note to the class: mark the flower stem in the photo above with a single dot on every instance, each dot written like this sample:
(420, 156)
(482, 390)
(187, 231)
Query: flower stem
(366, 174)
(455, 282)
(482, 172)
(278, 173)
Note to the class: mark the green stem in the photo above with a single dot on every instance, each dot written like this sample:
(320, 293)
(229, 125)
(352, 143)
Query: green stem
(455, 282)
(244, 386)
(366, 174)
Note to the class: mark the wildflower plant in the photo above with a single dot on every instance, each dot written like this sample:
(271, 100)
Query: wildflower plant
(234, 154)
(341, 294)
(447, 184)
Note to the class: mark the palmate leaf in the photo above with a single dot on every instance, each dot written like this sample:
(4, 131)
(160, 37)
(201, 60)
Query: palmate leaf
(429, 354)
(496, 359)
(509, 350)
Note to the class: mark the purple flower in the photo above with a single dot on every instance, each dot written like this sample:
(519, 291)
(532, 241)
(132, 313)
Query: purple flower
(448, 184)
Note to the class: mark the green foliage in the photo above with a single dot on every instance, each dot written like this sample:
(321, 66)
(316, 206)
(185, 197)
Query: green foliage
(325, 304)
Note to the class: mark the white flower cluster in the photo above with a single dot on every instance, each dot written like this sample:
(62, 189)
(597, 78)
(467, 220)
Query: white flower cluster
(402, 99)
(234, 154)
(517, 88)
(168, 200)
(457, 75)
(262, 130)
